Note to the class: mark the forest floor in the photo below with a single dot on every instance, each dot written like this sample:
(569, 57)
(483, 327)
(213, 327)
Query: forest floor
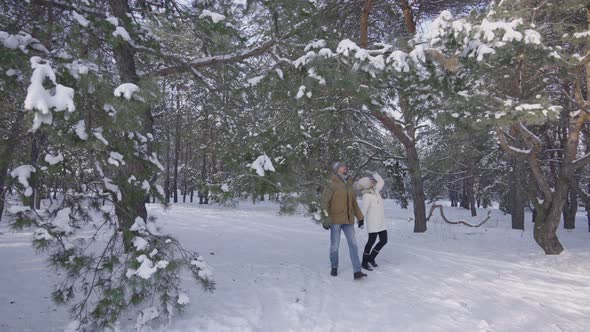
(272, 274)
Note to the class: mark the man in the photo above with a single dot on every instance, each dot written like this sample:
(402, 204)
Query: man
(339, 210)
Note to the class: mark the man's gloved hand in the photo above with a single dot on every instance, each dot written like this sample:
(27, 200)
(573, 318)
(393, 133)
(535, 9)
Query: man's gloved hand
(361, 224)
(326, 225)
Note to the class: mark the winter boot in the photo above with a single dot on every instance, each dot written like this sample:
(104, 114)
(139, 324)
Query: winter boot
(365, 264)
(359, 275)
(371, 259)
(334, 272)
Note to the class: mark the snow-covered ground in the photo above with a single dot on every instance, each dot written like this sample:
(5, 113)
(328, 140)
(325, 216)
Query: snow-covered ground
(272, 274)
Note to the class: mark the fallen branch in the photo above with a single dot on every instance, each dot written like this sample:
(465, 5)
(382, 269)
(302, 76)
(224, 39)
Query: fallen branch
(442, 214)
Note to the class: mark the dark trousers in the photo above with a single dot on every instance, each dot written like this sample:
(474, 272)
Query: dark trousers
(373, 238)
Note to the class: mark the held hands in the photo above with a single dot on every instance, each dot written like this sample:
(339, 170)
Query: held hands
(362, 224)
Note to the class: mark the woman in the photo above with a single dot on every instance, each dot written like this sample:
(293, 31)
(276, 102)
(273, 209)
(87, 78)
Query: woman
(372, 209)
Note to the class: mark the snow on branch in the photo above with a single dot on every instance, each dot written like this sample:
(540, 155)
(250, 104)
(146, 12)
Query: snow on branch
(435, 44)
(23, 173)
(121, 32)
(528, 136)
(215, 17)
(80, 19)
(319, 44)
(262, 164)
(44, 101)
(126, 90)
(514, 151)
(21, 41)
(54, 160)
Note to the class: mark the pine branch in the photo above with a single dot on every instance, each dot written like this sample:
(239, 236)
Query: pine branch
(394, 127)
(389, 154)
(243, 55)
(68, 5)
(511, 150)
(534, 144)
(582, 161)
(358, 170)
(216, 60)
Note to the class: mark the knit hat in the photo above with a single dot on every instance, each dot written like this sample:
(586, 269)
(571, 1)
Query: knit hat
(337, 165)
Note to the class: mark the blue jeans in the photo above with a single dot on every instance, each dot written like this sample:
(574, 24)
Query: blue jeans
(352, 246)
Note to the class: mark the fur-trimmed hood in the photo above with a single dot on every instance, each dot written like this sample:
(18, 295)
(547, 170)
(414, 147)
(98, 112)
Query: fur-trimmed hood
(364, 185)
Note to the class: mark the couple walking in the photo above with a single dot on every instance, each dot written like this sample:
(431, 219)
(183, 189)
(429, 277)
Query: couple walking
(340, 209)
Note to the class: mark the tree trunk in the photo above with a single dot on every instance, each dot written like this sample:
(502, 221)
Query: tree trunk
(464, 197)
(167, 175)
(185, 173)
(587, 207)
(470, 182)
(33, 182)
(3, 175)
(455, 191)
(168, 171)
(364, 42)
(7, 151)
(550, 210)
(409, 20)
(2, 192)
(546, 224)
(205, 189)
(517, 195)
(39, 195)
(123, 52)
(418, 189)
(587, 137)
(132, 204)
(407, 136)
(570, 210)
(452, 193)
(176, 148)
(548, 219)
